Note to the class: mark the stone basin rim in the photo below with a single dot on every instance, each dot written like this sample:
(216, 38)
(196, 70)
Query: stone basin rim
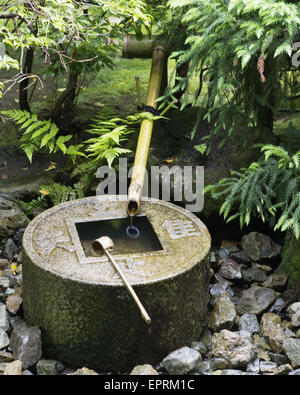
(35, 257)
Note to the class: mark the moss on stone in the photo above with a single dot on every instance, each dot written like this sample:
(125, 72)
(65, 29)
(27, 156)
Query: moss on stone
(290, 263)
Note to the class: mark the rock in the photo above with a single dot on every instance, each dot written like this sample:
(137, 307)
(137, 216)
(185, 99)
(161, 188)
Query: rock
(221, 286)
(200, 347)
(277, 306)
(254, 274)
(204, 367)
(279, 359)
(27, 373)
(11, 218)
(13, 369)
(143, 370)
(228, 372)
(15, 321)
(260, 343)
(26, 344)
(4, 323)
(85, 372)
(249, 323)
(295, 373)
(224, 313)
(267, 367)
(270, 328)
(49, 367)
(4, 340)
(259, 246)
(276, 281)
(231, 349)
(283, 370)
(18, 236)
(291, 348)
(265, 268)
(253, 366)
(4, 263)
(224, 253)
(6, 356)
(241, 257)
(206, 338)
(230, 270)
(181, 361)
(4, 284)
(10, 249)
(255, 300)
(293, 312)
(13, 303)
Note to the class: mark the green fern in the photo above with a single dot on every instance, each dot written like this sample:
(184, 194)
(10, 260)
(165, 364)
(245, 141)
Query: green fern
(268, 189)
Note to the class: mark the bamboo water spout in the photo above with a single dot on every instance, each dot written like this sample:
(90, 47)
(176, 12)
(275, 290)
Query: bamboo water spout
(141, 156)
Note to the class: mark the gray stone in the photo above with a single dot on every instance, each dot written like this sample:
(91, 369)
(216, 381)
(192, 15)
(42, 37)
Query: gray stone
(292, 349)
(230, 270)
(267, 366)
(221, 286)
(6, 356)
(276, 281)
(204, 367)
(4, 263)
(228, 372)
(254, 274)
(4, 323)
(13, 369)
(144, 370)
(232, 349)
(224, 313)
(255, 300)
(181, 361)
(253, 366)
(271, 329)
(49, 367)
(26, 344)
(279, 359)
(249, 323)
(85, 372)
(4, 340)
(295, 373)
(283, 370)
(206, 338)
(200, 347)
(241, 257)
(259, 246)
(11, 218)
(10, 249)
(293, 312)
(4, 284)
(13, 303)
(27, 373)
(277, 306)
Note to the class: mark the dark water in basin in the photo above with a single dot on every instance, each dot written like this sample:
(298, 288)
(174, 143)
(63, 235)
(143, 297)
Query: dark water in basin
(130, 235)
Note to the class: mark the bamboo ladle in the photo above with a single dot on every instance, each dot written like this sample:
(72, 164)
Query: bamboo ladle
(106, 244)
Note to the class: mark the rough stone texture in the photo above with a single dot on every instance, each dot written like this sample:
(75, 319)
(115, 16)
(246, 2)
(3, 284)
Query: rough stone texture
(249, 323)
(293, 311)
(4, 323)
(90, 320)
(13, 369)
(276, 281)
(4, 340)
(231, 349)
(283, 370)
(230, 270)
(270, 328)
(13, 303)
(228, 372)
(144, 370)
(49, 367)
(292, 349)
(255, 300)
(223, 315)
(11, 218)
(241, 257)
(259, 246)
(181, 361)
(204, 368)
(254, 274)
(26, 344)
(85, 372)
(9, 249)
(267, 366)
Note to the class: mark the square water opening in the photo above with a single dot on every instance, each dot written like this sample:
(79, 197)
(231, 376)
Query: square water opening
(130, 235)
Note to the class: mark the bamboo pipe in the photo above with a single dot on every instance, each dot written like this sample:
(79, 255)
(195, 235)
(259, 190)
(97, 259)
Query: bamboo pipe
(142, 150)
(105, 244)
